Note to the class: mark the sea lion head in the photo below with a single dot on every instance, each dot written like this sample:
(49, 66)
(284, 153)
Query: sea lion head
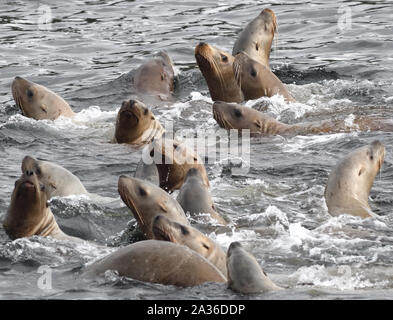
(38, 102)
(216, 66)
(235, 116)
(168, 230)
(156, 76)
(27, 207)
(134, 121)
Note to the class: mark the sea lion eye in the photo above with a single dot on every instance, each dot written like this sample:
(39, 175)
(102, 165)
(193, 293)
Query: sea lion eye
(238, 113)
(142, 192)
(224, 58)
(184, 230)
(30, 93)
(145, 111)
(253, 73)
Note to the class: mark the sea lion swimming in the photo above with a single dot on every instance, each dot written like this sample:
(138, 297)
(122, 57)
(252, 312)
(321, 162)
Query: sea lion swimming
(173, 159)
(349, 183)
(257, 37)
(29, 213)
(168, 230)
(235, 116)
(245, 275)
(38, 102)
(195, 198)
(147, 172)
(157, 261)
(155, 77)
(146, 201)
(217, 69)
(256, 80)
(58, 181)
(136, 124)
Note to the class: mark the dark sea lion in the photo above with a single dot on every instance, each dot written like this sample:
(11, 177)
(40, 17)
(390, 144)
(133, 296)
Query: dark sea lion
(38, 102)
(195, 198)
(168, 230)
(136, 124)
(217, 68)
(235, 116)
(155, 77)
(256, 80)
(161, 262)
(349, 183)
(245, 275)
(173, 159)
(58, 181)
(257, 37)
(146, 201)
(29, 213)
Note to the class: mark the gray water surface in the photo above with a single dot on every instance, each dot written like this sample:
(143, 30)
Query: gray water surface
(334, 67)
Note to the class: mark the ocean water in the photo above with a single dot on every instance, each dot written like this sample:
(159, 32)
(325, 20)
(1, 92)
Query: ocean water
(336, 59)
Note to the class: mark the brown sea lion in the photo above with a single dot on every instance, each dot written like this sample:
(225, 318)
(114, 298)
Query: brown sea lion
(155, 77)
(256, 80)
(136, 124)
(235, 116)
(195, 198)
(29, 213)
(58, 181)
(161, 262)
(146, 201)
(168, 230)
(217, 68)
(38, 102)
(349, 183)
(245, 275)
(257, 37)
(173, 159)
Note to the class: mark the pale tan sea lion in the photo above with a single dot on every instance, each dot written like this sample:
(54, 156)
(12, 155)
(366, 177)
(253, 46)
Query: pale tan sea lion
(29, 213)
(217, 69)
(235, 116)
(349, 183)
(155, 77)
(136, 124)
(58, 181)
(195, 198)
(161, 262)
(168, 230)
(256, 80)
(146, 201)
(245, 275)
(173, 159)
(38, 102)
(257, 37)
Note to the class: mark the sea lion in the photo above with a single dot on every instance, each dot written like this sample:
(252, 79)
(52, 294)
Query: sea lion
(156, 261)
(146, 201)
(257, 37)
(147, 172)
(38, 102)
(245, 275)
(217, 69)
(235, 116)
(173, 159)
(168, 230)
(136, 124)
(29, 213)
(195, 198)
(155, 77)
(256, 80)
(57, 180)
(349, 183)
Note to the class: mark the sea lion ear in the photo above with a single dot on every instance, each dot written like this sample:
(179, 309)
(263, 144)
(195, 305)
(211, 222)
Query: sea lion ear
(362, 169)
(43, 108)
(163, 207)
(258, 123)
